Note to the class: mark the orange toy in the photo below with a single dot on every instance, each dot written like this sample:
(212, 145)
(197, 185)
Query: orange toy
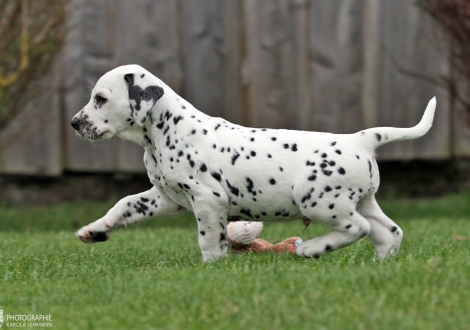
(243, 237)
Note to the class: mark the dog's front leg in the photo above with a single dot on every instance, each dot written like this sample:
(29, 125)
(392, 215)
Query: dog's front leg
(212, 229)
(129, 210)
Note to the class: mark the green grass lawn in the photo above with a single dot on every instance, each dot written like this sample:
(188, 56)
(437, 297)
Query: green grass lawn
(151, 276)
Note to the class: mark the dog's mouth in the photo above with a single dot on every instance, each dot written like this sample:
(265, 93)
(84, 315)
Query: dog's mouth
(90, 132)
(93, 136)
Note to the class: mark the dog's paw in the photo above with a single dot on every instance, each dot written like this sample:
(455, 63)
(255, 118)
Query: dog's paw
(211, 257)
(308, 249)
(89, 236)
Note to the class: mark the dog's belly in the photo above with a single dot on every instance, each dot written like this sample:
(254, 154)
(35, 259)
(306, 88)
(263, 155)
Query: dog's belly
(263, 208)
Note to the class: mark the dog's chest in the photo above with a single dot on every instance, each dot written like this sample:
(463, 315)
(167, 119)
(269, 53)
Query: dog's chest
(162, 177)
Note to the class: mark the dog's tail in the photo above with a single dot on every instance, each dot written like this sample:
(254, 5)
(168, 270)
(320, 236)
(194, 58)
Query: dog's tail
(375, 137)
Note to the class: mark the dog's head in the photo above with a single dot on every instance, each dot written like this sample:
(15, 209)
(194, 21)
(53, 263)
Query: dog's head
(121, 98)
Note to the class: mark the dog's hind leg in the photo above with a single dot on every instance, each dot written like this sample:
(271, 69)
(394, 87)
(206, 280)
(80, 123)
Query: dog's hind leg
(346, 231)
(385, 234)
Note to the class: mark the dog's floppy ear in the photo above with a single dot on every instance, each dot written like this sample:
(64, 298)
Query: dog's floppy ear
(142, 95)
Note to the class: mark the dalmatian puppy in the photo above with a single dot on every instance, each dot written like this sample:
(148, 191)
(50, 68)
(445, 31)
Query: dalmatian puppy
(222, 171)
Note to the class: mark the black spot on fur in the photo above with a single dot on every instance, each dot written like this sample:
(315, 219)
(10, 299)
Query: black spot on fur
(177, 119)
(341, 171)
(378, 136)
(246, 212)
(216, 176)
(150, 93)
(272, 181)
(306, 198)
(233, 190)
(327, 172)
(202, 232)
(234, 158)
(250, 186)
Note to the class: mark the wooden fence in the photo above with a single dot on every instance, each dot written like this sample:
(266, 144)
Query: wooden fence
(299, 64)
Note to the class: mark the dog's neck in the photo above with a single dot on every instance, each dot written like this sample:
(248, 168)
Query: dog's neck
(136, 134)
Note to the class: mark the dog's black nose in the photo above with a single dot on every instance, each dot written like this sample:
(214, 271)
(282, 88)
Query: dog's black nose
(75, 123)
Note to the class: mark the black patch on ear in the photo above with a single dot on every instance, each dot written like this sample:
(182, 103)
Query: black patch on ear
(136, 93)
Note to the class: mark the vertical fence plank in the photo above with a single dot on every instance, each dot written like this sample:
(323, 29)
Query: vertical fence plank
(298, 16)
(267, 41)
(336, 48)
(210, 56)
(371, 45)
(402, 99)
(461, 125)
(461, 134)
(277, 51)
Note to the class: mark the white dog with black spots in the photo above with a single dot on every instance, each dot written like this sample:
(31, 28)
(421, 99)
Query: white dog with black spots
(222, 171)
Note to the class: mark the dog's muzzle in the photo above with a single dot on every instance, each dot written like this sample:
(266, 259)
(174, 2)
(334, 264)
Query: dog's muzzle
(86, 128)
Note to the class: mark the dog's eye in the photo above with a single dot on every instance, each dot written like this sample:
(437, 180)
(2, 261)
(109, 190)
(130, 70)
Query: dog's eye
(100, 100)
